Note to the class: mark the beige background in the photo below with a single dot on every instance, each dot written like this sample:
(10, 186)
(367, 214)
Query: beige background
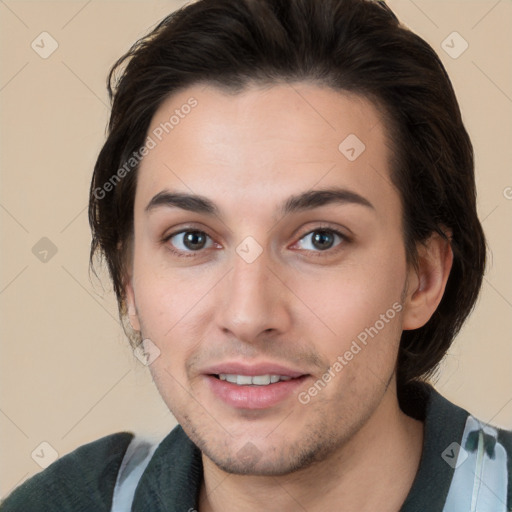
(67, 374)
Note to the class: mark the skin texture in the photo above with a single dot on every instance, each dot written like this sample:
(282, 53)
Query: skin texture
(296, 304)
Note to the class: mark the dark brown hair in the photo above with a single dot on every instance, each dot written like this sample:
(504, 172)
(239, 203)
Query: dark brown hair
(348, 45)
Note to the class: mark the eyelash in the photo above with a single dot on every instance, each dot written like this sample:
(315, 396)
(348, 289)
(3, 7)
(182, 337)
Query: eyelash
(344, 239)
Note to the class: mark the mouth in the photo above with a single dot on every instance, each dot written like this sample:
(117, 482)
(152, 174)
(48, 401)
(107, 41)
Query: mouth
(264, 391)
(254, 380)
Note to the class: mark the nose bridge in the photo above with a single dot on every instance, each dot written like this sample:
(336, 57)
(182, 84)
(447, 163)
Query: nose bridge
(252, 300)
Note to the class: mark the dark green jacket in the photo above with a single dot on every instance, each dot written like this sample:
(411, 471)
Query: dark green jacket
(466, 465)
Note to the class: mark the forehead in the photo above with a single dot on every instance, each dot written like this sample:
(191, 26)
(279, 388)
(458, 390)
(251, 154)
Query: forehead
(254, 147)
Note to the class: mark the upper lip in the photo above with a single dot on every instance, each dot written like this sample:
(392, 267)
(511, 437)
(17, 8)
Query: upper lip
(263, 368)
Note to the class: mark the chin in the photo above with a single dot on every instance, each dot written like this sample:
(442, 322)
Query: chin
(262, 458)
(261, 464)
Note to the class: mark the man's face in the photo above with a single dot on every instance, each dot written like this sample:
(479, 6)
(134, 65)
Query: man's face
(254, 291)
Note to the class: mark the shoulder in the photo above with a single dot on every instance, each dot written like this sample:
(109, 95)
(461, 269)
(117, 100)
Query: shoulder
(482, 475)
(481, 459)
(466, 462)
(505, 440)
(81, 480)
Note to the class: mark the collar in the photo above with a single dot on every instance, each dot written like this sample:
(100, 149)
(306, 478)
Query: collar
(444, 424)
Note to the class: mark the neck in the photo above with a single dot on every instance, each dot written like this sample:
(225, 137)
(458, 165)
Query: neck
(374, 470)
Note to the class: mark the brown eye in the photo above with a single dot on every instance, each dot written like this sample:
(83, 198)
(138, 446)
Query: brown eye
(187, 241)
(321, 240)
(194, 240)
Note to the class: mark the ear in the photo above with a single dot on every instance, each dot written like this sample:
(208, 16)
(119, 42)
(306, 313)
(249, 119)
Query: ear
(130, 306)
(426, 283)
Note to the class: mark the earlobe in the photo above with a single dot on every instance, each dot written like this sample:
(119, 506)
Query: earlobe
(131, 307)
(427, 281)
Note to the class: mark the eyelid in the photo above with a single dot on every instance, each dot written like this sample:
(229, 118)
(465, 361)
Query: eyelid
(185, 229)
(313, 226)
(344, 238)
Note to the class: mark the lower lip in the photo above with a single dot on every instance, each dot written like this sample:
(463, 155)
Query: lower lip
(254, 397)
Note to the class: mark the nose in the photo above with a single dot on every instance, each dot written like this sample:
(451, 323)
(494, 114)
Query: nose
(254, 302)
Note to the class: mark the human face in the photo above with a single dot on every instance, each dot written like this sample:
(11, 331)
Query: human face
(251, 290)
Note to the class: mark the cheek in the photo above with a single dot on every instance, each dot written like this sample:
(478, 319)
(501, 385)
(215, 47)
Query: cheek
(172, 305)
(160, 297)
(353, 297)
(356, 305)
(166, 307)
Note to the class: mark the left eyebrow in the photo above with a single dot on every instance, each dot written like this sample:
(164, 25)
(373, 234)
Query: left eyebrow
(322, 197)
(297, 203)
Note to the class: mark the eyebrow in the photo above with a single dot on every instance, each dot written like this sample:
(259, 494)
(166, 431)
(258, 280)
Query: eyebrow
(297, 203)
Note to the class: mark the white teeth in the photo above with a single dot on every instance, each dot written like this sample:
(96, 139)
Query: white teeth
(257, 380)
(243, 379)
(263, 380)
